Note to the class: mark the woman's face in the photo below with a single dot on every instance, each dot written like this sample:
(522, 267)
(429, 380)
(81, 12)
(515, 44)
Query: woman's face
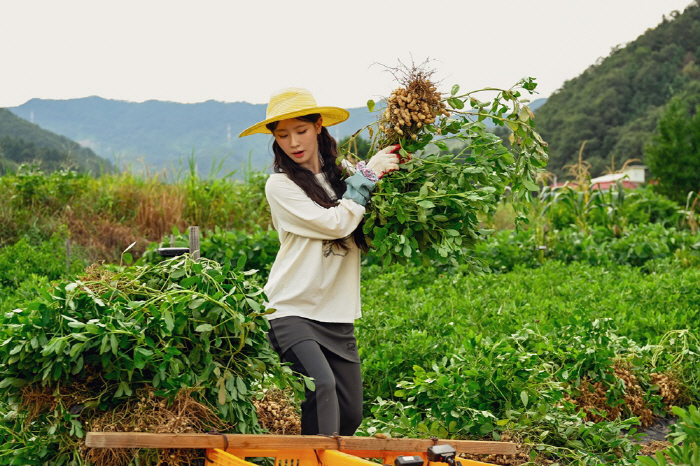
(298, 139)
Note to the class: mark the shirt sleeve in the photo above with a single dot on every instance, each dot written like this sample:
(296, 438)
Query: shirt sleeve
(299, 215)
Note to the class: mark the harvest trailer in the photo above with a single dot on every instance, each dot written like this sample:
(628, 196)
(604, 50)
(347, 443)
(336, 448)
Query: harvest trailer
(308, 450)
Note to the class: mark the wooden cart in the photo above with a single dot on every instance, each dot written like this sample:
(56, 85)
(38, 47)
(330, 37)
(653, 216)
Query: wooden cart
(299, 450)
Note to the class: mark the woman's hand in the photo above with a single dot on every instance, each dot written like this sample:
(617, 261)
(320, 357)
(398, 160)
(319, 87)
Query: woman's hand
(384, 161)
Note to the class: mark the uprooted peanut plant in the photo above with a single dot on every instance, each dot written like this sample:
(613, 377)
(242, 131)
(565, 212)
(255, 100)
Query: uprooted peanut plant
(452, 167)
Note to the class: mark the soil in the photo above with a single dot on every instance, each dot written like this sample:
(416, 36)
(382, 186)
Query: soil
(658, 431)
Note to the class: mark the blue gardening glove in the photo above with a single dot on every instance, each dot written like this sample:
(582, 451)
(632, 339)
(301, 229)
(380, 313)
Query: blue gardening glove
(359, 188)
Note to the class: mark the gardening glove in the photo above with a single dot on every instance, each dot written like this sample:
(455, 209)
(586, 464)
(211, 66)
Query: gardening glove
(384, 161)
(359, 188)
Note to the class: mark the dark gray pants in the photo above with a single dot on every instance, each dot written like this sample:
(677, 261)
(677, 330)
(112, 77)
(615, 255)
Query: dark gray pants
(336, 404)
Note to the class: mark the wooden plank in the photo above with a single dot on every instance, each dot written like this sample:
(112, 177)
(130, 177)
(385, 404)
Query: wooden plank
(281, 442)
(194, 243)
(147, 440)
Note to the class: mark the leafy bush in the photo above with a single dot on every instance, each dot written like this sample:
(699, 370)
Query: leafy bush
(506, 249)
(29, 264)
(257, 248)
(644, 205)
(100, 339)
(33, 256)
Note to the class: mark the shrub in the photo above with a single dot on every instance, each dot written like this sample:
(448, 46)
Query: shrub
(96, 342)
(256, 249)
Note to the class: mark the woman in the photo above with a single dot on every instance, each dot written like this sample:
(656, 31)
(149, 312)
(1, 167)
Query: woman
(314, 283)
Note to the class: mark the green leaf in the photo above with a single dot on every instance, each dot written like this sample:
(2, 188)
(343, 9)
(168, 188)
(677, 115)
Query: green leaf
(139, 363)
(253, 304)
(222, 392)
(660, 458)
(524, 115)
(124, 386)
(146, 352)
(442, 145)
(647, 461)
(486, 428)
(309, 383)
(105, 343)
(241, 386)
(426, 204)
(241, 262)
(370, 105)
(195, 303)
(168, 318)
(128, 258)
(204, 328)
(524, 398)
(186, 282)
(76, 349)
(530, 185)
(454, 90)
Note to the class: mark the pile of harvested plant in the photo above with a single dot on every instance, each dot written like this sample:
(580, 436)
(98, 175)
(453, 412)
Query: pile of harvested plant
(178, 346)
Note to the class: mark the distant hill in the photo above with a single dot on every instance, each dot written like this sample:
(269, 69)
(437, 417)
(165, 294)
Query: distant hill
(615, 104)
(537, 103)
(25, 142)
(157, 134)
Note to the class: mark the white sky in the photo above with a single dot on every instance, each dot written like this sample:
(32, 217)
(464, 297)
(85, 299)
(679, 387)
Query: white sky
(236, 50)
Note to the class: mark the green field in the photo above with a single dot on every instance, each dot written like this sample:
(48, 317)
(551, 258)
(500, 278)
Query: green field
(609, 311)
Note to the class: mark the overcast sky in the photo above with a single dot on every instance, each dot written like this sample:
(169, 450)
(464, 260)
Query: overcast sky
(235, 50)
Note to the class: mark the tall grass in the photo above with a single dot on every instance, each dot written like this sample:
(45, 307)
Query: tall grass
(108, 213)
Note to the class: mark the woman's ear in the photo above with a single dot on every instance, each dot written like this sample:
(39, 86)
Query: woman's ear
(319, 125)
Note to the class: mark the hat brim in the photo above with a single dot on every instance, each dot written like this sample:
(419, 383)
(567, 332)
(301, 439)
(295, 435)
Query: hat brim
(331, 116)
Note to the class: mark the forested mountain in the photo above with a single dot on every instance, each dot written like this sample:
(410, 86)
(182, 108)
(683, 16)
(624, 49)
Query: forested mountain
(615, 104)
(24, 142)
(157, 134)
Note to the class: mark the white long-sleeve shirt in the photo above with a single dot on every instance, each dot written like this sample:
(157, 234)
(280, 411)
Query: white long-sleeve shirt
(311, 277)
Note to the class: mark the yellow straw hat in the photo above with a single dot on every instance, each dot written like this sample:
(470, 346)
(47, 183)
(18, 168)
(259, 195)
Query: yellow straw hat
(294, 102)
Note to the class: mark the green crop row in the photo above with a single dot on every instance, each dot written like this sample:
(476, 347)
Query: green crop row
(466, 356)
(648, 245)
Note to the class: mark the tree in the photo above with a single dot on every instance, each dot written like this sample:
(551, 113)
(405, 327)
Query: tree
(673, 155)
(359, 147)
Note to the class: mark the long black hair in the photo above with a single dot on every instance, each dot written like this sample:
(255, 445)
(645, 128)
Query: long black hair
(306, 180)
